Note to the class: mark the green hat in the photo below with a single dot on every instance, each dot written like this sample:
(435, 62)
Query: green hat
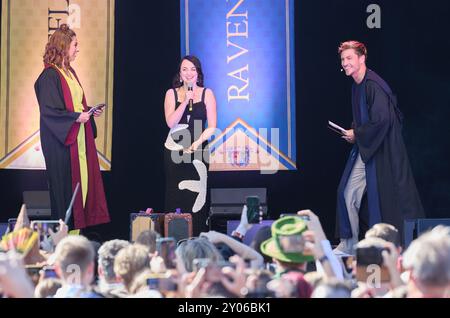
(286, 226)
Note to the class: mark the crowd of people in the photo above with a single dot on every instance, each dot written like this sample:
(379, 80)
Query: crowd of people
(292, 260)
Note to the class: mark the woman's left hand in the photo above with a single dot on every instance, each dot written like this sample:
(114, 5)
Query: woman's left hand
(193, 147)
(98, 112)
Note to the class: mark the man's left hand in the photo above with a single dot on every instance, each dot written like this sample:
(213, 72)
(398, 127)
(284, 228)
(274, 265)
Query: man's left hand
(349, 136)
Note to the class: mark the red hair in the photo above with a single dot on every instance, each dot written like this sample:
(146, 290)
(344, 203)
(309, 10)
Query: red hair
(56, 50)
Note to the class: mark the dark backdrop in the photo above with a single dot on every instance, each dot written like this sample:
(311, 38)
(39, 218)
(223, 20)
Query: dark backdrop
(410, 52)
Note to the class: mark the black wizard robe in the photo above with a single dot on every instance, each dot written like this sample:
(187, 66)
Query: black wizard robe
(58, 132)
(391, 194)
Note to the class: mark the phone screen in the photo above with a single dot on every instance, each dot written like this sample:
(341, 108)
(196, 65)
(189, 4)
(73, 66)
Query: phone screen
(370, 255)
(347, 262)
(367, 274)
(162, 284)
(166, 249)
(11, 225)
(253, 209)
(153, 283)
(49, 272)
(292, 243)
(93, 109)
(168, 285)
(33, 273)
(43, 227)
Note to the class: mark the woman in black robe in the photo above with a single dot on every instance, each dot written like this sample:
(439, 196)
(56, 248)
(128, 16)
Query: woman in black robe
(67, 132)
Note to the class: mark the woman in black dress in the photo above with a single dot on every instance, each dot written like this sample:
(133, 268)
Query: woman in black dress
(190, 112)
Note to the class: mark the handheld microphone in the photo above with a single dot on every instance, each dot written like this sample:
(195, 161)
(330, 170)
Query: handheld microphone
(191, 102)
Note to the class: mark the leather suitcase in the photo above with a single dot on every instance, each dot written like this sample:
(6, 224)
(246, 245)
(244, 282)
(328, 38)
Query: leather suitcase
(178, 225)
(143, 221)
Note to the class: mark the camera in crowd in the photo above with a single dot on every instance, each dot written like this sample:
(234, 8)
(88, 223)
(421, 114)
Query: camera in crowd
(43, 228)
(369, 261)
(166, 249)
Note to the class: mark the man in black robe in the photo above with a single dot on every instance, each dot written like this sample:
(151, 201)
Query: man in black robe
(377, 184)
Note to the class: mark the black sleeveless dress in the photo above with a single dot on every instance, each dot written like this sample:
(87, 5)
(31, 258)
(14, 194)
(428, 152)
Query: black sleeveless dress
(187, 174)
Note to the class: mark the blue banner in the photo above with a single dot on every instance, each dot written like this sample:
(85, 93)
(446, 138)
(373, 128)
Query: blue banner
(247, 52)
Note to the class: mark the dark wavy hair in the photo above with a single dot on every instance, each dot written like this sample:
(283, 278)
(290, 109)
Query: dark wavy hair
(198, 66)
(56, 50)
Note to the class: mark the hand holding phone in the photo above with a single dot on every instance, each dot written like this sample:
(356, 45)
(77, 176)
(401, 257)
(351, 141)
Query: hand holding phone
(292, 243)
(166, 249)
(48, 272)
(95, 108)
(254, 210)
(43, 228)
(162, 284)
(11, 225)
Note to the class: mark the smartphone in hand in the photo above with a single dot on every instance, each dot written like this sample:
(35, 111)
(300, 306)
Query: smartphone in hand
(166, 249)
(43, 227)
(96, 107)
(253, 209)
